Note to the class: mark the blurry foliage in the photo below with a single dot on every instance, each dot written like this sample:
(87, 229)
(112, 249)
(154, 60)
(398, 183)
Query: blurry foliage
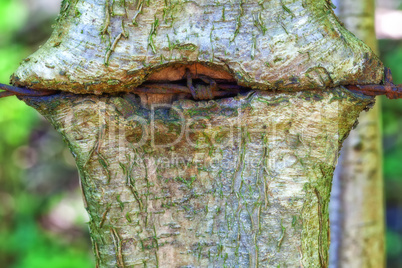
(13, 15)
(41, 221)
(391, 54)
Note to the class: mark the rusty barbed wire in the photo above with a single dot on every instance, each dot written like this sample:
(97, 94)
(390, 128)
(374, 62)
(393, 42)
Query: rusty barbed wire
(12, 91)
(387, 88)
(212, 89)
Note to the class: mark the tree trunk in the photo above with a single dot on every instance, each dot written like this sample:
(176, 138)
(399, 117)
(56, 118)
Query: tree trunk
(242, 182)
(359, 215)
(173, 182)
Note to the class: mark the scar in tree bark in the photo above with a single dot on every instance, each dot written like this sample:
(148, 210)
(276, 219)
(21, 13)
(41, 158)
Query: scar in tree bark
(102, 160)
(139, 10)
(121, 204)
(97, 254)
(240, 165)
(107, 16)
(238, 22)
(118, 249)
(112, 48)
(155, 237)
(261, 178)
(282, 235)
(91, 152)
(320, 216)
(136, 196)
(104, 215)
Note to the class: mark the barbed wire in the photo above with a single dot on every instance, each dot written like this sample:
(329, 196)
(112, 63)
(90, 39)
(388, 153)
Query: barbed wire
(211, 89)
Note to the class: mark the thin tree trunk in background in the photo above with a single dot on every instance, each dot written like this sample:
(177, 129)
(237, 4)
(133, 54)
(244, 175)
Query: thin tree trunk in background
(357, 207)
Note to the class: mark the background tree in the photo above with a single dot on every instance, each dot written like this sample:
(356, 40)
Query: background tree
(388, 13)
(357, 221)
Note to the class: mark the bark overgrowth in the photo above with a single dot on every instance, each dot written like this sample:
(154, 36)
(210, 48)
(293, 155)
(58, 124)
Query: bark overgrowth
(231, 182)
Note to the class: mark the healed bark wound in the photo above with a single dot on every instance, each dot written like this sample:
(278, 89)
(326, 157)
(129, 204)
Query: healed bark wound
(245, 185)
(204, 201)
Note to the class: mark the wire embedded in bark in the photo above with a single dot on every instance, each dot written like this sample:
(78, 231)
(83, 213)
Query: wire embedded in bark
(197, 87)
(201, 87)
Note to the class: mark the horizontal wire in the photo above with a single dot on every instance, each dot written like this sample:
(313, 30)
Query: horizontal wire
(213, 90)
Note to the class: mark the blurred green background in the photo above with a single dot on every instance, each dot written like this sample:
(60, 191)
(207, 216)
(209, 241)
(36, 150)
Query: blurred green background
(391, 54)
(42, 219)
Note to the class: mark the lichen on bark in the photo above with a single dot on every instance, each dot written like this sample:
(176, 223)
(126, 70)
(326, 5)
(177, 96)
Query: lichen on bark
(234, 182)
(113, 46)
(245, 184)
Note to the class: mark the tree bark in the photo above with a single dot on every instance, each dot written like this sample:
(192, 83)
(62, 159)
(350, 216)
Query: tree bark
(109, 46)
(243, 182)
(173, 182)
(360, 202)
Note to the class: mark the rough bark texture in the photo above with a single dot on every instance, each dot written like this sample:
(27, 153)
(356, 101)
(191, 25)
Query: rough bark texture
(112, 46)
(243, 181)
(246, 184)
(360, 240)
